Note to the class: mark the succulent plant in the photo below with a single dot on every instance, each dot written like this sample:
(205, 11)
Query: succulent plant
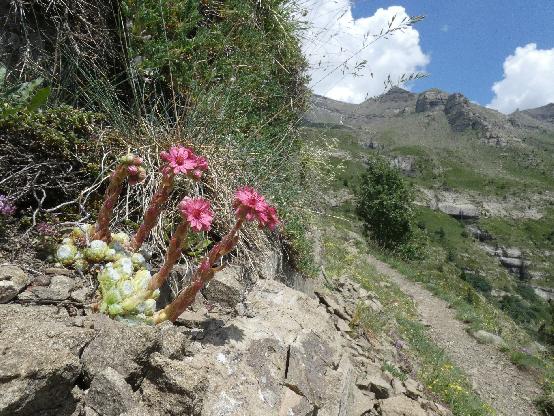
(127, 289)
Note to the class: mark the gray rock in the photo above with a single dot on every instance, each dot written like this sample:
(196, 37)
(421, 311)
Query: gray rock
(175, 388)
(58, 271)
(12, 281)
(295, 404)
(109, 394)
(406, 164)
(512, 252)
(83, 294)
(460, 115)
(226, 288)
(124, 348)
(431, 100)
(58, 290)
(487, 338)
(374, 305)
(400, 406)
(376, 384)
(461, 211)
(332, 303)
(308, 359)
(398, 387)
(511, 262)
(413, 389)
(173, 341)
(40, 360)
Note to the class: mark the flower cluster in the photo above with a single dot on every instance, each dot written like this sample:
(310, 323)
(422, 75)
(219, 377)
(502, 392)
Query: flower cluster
(182, 160)
(6, 207)
(250, 205)
(127, 288)
(197, 213)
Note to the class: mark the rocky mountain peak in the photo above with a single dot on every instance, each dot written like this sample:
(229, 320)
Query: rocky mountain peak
(431, 100)
(396, 94)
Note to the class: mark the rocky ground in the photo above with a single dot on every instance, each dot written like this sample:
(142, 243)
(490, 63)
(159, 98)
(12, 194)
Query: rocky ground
(265, 350)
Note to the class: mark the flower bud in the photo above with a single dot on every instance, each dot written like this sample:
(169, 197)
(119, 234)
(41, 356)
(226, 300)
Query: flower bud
(127, 159)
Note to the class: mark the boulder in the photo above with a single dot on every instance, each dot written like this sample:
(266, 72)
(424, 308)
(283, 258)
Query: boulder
(460, 211)
(512, 252)
(485, 337)
(460, 115)
(400, 406)
(12, 281)
(285, 355)
(40, 360)
(109, 394)
(226, 288)
(118, 345)
(406, 164)
(511, 263)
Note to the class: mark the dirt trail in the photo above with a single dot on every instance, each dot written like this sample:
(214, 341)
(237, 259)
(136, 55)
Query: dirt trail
(495, 379)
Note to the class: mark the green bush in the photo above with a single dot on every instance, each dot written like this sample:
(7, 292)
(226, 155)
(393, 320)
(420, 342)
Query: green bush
(385, 203)
(478, 282)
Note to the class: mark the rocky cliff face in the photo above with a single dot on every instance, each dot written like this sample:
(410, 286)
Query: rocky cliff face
(269, 350)
(431, 100)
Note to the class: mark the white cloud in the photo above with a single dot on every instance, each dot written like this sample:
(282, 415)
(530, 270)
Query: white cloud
(335, 36)
(528, 80)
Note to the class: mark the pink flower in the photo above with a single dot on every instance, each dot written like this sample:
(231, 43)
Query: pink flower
(197, 212)
(272, 218)
(201, 166)
(180, 160)
(251, 205)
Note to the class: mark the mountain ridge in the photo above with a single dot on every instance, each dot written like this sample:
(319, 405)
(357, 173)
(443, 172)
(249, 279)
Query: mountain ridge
(463, 115)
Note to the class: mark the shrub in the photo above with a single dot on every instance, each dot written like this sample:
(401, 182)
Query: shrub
(518, 309)
(478, 282)
(384, 203)
(49, 157)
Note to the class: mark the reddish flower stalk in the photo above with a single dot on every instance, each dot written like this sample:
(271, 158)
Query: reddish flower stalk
(203, 275)
(179, 160)
(249, 206)
(130, 166)
(197, 216)
(153, 212)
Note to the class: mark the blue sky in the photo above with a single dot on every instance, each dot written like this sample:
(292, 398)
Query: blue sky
(468, 40)
(498, 53)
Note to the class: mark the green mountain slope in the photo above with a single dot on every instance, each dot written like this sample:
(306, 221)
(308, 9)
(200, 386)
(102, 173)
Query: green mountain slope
(485, 192)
